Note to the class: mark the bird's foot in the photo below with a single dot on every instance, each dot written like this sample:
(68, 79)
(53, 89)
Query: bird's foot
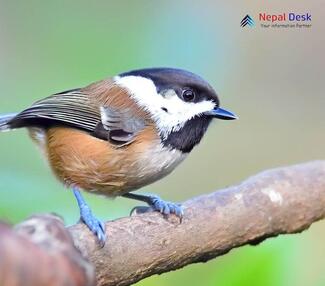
(159, 205)
(165, 207)
(96, 226)
(87, 217)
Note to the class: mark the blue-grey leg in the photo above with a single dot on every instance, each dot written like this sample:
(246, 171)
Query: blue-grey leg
(157, 204)
(86, 216)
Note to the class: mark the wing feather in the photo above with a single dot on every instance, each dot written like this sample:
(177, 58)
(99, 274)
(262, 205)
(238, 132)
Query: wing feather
(104, 113)
(72, 108)
(121, 124)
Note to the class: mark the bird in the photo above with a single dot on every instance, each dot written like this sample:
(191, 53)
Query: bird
(119, 134)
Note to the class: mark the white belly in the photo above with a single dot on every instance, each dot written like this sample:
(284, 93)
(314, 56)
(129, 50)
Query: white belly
(154, 164)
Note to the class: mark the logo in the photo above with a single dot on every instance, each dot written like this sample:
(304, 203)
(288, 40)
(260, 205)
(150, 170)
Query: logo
(285, 17)
(247, 20)
(278, 20)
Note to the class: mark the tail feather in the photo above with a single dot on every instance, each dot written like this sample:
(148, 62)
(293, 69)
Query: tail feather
(4, 121)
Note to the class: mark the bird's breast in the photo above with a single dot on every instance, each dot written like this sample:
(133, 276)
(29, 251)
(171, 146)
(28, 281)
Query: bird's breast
(155, 163)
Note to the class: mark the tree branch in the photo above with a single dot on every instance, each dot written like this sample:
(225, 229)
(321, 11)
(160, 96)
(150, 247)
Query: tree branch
(279, 201)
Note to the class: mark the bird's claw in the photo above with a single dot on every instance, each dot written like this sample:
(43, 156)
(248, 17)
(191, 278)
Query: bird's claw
(96, 226)
(166, 208)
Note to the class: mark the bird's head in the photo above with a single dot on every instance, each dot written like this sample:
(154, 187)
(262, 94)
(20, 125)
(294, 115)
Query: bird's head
(181, 103)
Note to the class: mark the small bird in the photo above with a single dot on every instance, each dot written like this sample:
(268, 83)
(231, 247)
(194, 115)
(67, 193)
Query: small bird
(119, 134)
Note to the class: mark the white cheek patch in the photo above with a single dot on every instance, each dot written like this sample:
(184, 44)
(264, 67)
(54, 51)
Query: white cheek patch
(144, 92)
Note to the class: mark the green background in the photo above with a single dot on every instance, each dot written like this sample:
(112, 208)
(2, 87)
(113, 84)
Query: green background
(273, 79)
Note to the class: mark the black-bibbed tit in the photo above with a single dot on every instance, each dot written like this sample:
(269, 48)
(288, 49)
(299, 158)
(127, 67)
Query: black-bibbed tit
(119, 134)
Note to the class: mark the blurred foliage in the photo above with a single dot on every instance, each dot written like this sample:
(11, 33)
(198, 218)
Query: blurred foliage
(273, 79)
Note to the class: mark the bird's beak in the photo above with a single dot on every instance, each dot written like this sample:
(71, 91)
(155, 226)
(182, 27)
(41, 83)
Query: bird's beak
(221, 113)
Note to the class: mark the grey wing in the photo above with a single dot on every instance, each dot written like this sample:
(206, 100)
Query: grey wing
(121, 124)
(71, 108)
(75, 109)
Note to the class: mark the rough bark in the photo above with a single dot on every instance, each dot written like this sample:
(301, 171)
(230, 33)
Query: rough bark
(40, 252)
(279, 201)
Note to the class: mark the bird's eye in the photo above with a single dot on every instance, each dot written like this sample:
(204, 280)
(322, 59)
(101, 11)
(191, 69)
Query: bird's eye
(188, 95)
